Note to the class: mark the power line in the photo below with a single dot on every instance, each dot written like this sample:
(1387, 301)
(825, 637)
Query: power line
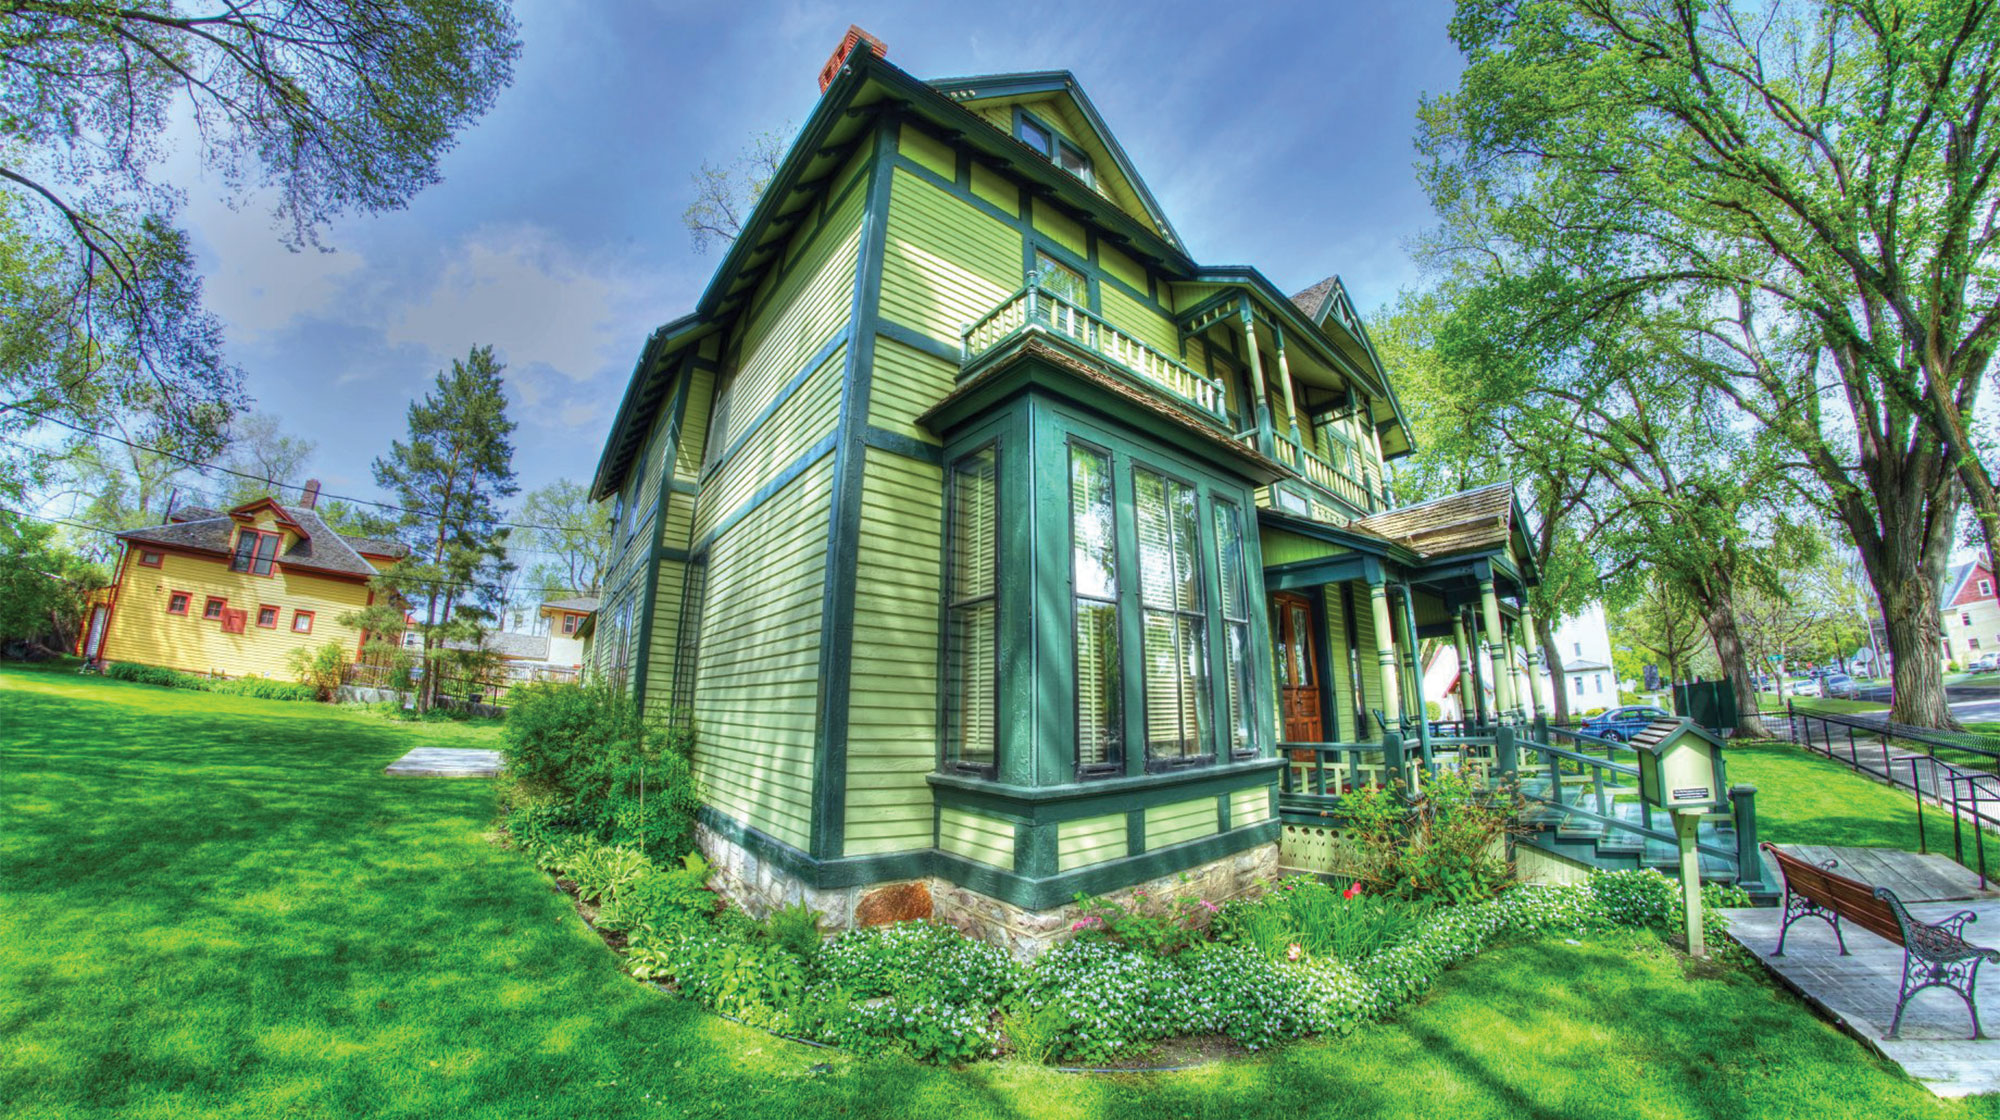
(200, 466)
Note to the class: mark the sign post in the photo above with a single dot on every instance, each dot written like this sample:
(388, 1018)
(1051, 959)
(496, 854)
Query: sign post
(1680, 771)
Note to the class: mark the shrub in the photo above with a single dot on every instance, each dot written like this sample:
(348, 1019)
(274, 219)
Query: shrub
(319, 667)
(918, 961)
(676, 898)
(1449, 843)
(759, 984)
(795, 929)
(262, 688)
(601, 871)
(156, 675)
(1163, 926)
(627, 780)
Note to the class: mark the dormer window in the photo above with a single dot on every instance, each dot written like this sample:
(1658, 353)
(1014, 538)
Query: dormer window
(1053, 147)
(254, 552)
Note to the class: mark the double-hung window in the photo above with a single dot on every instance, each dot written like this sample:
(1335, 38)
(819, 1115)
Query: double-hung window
(1235, 583)
(1100, 710)
(1174, 622)
(972, 643)
(254, 552)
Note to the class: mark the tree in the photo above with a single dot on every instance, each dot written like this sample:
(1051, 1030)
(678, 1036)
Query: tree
(264, 460)
(572, 533)
(321, 107)
(42, 585)
(1665, 625)
(1801, 198)
(449, 478)
(725, 196)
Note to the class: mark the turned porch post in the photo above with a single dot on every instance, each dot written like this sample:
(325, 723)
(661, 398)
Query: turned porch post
(1385, 653)
(1496, 647)
(1531, 645)
(1266, 441)
(1465, 670)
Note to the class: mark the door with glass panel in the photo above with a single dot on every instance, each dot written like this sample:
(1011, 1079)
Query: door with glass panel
(1298, 668)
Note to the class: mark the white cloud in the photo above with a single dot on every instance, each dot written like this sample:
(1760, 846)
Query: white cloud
(534, 299)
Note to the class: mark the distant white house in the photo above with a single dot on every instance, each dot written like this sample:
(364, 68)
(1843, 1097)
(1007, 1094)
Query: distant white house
(1584, 645)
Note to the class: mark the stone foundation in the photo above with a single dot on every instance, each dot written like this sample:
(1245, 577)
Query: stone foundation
(759, 887)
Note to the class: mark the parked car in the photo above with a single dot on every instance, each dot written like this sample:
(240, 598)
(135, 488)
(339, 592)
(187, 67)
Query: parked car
(1839, 684)
(1620, 724)
(1984, 663)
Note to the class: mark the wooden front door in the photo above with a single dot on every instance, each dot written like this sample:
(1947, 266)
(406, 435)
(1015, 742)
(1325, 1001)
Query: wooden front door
(1298, 669)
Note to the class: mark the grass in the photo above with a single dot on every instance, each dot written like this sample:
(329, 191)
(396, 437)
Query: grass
(1835, 705)
(217, 906)
(1803, 798)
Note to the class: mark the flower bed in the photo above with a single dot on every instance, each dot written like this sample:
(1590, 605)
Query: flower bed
(1301, 960)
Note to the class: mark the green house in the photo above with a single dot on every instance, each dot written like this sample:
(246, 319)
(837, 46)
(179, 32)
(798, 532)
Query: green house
(997, 549)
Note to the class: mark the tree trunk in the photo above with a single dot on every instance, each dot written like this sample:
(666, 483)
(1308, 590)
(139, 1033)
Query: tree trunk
(1546, 634)
(1906, 561)
(1716, 597)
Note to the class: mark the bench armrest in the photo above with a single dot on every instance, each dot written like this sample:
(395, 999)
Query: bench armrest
(1955, 925)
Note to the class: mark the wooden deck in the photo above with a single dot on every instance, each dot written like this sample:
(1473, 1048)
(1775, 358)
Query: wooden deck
(1858, 991)
(447, 762)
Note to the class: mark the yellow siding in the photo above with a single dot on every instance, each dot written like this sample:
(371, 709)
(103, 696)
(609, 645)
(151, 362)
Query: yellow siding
(1092, 841)
(928, 151)
(651, 467)
(694, 427)
(1059, 228)
(996, 188)
(810, 303)
(1140, 321)
(892, 712)
(907, 383)
(665, 647)
(985, 840)
(1249, 806)
(947, 263)
(1180, 822)
(142, 631)
(801, 421)
(757, 688)
(1121, 266)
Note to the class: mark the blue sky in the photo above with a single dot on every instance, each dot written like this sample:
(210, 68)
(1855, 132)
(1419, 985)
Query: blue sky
(1274, 135)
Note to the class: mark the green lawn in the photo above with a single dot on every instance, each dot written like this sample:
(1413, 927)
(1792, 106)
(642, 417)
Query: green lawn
(1803, 798)
(219, 906)
(1834, 705)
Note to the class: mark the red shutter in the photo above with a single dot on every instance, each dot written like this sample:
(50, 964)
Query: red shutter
(232, 621)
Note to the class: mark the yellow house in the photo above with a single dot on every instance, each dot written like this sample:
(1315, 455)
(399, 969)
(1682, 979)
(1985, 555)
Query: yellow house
(233, 593)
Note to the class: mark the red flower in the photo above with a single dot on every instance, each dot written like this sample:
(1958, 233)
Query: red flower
(1352, 891)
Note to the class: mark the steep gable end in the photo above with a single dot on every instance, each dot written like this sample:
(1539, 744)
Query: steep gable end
(1021, 105)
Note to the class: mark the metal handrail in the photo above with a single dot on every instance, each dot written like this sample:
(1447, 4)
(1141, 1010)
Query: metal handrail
(1038, 307)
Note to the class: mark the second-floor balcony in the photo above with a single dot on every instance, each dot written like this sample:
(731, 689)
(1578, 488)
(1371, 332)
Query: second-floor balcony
(1038, 308)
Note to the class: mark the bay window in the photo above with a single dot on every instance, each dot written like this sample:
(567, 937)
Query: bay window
(1100, 713)
(1174, 621)
(1234, 581)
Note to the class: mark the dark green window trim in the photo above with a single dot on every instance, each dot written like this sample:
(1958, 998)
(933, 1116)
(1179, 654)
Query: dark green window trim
(1237, 709)
(1192, 641)
(1096, 596)
(1053, 146)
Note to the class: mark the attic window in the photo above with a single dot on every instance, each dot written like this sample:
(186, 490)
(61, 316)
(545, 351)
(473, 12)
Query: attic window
(254, 552)
(1053, 147)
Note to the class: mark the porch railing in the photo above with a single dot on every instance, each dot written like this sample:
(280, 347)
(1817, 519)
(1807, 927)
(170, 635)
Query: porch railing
(1597, 779)
(1038, 308)
(1324, 475)
(1317, 774)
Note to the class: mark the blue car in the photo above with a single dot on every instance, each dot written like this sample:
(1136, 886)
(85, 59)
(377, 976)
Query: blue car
(1620, 724)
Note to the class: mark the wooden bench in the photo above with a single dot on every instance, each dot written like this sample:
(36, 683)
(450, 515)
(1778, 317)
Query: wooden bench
(1935, 955)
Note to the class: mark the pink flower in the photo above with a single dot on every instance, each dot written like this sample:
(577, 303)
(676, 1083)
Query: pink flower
(1294, 952)
(1091, 922)
(1352, 891)
(1209, 906)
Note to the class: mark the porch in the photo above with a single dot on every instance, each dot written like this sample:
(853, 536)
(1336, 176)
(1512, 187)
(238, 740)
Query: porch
(1578, 795)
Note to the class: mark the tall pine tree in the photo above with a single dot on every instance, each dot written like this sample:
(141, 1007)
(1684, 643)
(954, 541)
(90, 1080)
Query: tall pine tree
(449, 478)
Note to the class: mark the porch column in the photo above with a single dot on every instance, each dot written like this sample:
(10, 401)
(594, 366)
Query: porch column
(1385, 653)
(1285, 382)
(1523, 686)
(1415, 665)
(1265, 440)
(1476, 664)
(1496, 647)
(1465, 670)
(1532, 646)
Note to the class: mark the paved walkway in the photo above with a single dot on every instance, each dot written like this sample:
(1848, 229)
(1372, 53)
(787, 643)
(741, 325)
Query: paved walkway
(446, 762)
(1858, 992)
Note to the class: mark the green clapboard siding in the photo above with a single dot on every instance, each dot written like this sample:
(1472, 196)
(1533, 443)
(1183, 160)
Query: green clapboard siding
(1364, 642)
(665, 647)
(1090, 841)
(805, 417)
(1059, 228)
(694, 429)
(1180, 822)
(758, 687)
(1281, 547)
(946, 263)
(1121, 266)
(1342, 730)
(810, 302)
(907, 383)
(892, 712)
(1248, 806)
(980, 839)
(1140, 321)
(996, 188)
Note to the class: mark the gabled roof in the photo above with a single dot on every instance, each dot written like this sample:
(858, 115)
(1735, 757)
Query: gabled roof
(1061, 85)
(584, 603)
(509, 645)
(1959, 584)
(318, 546)
(1470, 521)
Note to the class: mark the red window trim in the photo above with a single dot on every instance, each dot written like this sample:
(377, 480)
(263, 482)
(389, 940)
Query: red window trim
(256, 553)
(308, 616)
(219, 602)
(275, 612)
(187, 599)
(158, 558)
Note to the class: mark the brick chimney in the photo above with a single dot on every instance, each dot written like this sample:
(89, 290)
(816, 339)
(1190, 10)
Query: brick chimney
(855, 37)
(311, 497)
